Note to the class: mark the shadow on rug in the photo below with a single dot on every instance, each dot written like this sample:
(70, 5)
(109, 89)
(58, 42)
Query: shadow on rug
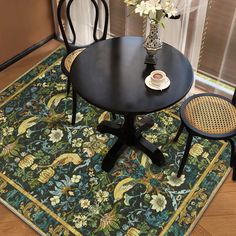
(50, 171)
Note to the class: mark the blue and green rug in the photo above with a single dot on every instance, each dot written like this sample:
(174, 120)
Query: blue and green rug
(50, 171)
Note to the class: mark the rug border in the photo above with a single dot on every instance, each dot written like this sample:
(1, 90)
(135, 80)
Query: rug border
(30, 82)
(213, 194)
(194, 188)
(39, 204)
(8, 206)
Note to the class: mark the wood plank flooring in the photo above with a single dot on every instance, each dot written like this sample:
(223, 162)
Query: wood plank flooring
(218, 219)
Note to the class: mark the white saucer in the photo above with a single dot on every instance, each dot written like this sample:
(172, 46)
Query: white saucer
(162, 86)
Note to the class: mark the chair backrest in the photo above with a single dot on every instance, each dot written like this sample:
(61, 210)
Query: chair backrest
(234, 98)
(98, 4)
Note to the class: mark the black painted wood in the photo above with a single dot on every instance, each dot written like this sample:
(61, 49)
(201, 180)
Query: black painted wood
(185, 157)
(234, 98)
(64, 10)
(65, 7)
(110, 74)
(128, 135)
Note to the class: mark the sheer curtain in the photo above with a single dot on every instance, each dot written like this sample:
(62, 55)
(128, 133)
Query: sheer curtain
(185, 33)
(82, 15)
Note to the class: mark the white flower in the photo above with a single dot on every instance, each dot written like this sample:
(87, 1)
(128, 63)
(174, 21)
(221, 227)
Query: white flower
(28, 133)
(158, 202)
(80, 220)
(154, 127)
(169, 8)
(79, 116)
(173, 180)
(76, 178)
(155, 10)
(56, 135)
(93, 181)
(2, 117)
(71, 193)
(77, 142)
(41, 76)
(142, 9)
(102, 196)
(60, 87)
(84, 203)
(63, 77)
(55, 200)
(151, 138)
(88, 132)
(45, 85)
(153, 6)
(17, 159)
(7, 131)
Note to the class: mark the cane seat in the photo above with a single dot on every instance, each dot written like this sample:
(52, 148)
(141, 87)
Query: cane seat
(71, 57)
(211, 115)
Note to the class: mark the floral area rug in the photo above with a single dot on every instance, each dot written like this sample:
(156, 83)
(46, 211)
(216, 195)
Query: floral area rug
(50, 171)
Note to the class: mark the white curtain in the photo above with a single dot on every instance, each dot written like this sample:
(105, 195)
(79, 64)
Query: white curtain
(185, 33)
(83, 15)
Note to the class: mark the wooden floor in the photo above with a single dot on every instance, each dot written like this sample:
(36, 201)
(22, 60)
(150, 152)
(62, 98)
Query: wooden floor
(218, 219)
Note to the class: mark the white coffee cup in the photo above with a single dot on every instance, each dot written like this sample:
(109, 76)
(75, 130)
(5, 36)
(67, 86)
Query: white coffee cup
(158, 77)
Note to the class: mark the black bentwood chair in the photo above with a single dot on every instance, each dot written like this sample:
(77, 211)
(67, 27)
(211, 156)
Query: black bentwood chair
(209, 116)
(73, 50)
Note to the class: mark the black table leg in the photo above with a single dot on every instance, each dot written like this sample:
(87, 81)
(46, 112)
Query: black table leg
(110, 127)
(129, 134)
(112, 155)
(144, 123)
(152, 151)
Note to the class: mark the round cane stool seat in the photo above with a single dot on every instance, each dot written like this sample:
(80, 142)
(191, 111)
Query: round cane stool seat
(211, 114)
(71, 57)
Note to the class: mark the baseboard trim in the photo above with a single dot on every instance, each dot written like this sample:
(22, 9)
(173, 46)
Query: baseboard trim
(25, 52)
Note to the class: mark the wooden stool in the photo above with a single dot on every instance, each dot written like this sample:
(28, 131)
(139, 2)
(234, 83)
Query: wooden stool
(209, 116)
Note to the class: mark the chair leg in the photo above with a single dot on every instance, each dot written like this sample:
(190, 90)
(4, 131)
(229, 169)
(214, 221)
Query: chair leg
(180, 130)
(68, 86)
(233, 157)
(185, 156)
(74, 98)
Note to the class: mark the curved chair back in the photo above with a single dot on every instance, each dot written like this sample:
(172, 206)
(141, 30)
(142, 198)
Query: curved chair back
(234, 98)
(70, 46)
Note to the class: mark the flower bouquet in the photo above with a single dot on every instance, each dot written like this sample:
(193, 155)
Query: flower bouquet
(155, 11)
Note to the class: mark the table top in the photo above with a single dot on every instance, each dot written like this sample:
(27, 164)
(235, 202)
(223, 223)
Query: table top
(110, 74)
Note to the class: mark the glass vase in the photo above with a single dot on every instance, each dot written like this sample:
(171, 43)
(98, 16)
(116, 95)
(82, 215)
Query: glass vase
(152, 43)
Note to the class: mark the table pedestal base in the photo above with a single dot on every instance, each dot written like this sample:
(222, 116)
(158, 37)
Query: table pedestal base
(129, 135)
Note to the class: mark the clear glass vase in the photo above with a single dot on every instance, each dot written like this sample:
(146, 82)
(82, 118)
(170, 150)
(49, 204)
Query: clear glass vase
(152, 43)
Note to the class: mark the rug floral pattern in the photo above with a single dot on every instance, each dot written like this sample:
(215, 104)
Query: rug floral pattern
(50, 171)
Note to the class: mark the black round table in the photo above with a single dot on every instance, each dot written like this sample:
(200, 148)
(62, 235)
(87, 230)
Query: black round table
(110, 74)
